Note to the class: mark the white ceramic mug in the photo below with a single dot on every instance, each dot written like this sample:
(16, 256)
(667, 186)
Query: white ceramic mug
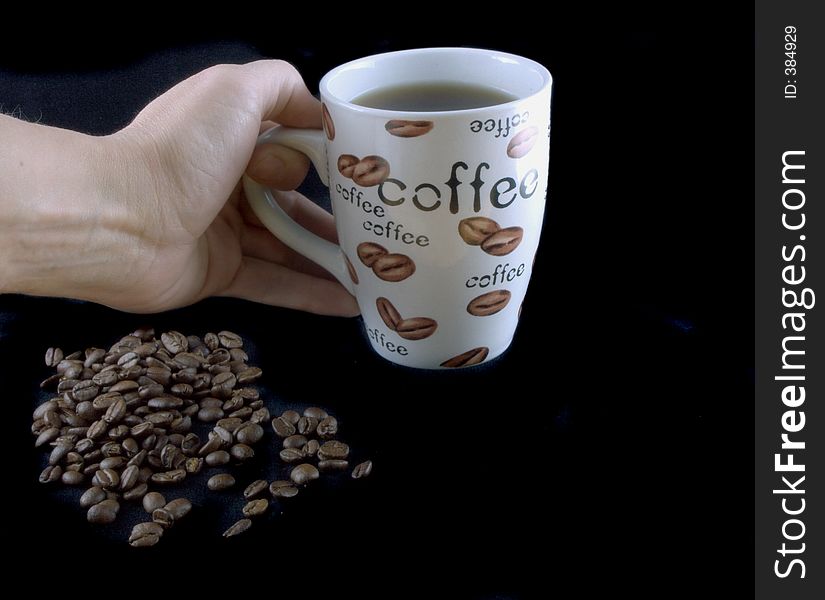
(438, 213)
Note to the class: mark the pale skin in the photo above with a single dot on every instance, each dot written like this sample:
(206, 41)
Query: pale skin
(154, 217)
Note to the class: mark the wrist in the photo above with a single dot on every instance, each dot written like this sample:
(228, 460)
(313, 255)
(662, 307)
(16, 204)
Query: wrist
(61, 214)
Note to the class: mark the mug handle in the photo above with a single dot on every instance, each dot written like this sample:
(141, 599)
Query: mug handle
(263, 204)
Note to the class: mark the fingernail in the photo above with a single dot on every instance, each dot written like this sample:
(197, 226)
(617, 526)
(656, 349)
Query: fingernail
(265, 165)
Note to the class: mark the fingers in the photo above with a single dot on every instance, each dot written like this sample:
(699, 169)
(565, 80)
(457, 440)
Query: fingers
(278, 167)
(282, 95)
(273, 284)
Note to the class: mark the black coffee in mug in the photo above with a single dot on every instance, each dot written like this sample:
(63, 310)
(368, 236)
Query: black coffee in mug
(433, 96)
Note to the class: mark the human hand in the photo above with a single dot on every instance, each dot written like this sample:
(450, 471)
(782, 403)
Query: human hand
(154, 216)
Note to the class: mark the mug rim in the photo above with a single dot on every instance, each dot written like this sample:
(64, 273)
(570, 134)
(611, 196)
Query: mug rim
(328, 96)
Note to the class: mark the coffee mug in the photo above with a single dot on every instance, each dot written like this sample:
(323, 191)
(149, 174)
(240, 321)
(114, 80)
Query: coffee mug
(439, 212)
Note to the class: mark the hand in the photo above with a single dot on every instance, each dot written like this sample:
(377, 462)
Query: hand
(154, 216)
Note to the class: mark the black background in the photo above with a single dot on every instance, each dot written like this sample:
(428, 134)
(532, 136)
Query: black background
(610, 446)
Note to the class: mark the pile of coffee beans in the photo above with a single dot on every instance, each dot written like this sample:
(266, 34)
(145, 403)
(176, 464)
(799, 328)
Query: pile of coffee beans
(307, 440)
(122, 421)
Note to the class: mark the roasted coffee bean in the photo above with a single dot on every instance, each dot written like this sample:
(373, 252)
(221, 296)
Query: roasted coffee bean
(86, 410)
(169, 477)
(106, 478)
(168, 456)
(93, 356)
(231, 424)
(282, 427)
(416, 328)
(210, 415)
(249, 375)
(238, 528)
(51, 473)
(255, 488)
(150, 391)
(146, 349)
(503, 242)
(161, 418)
(129, 477)
(523, 142)
(225, 437)
(211, 403)
(190, 444)
(310, 448)
(370, 171)
(60, 450)
(103, 512)
(346, 165)
(233, 404)
(388, 313)
(193, 465)
(41, 410)
(153, 501)
(136, 493)
(408, 129)
(112, 462)
(333, 465)
(219, 357)
(111, 449)
(71, 477)
(105, 378)
(241, 413)
(217, 458)
(248, 393)
(91, 468)
(255, 508)
(145, 474)
(138, 458)
(291, 455)
(52, 419)
(154, 461)
(229, 339)
(249, 433)
(174, 342)
(53, 357)
(489, 303)
(393, 267)
(353, 275)
(238, 354)
(66, 385)
(180, 425)
(327, 427)
(369, 252)
(294, 441)
(165, 402)
(125, 387)
(50, 381)
(179, 508)
(236, 367)
(467, 359)
(260, 416)
(304, 473)
(182, 389)
(160, 374)
(85, 390)
(282, 489)
(145, 534)
(475, 230)
(211, 341)
(115, 412)
(362, 469)
(187, 360)
(119, 432)
(222, 385)
(128, 360)
(315, 412)
(130, 447)
(221, 481)
(92, 496)
(46, 436)
(241, 452)
(333, 449)
(307, 425)
(163, 517)
(213, 443)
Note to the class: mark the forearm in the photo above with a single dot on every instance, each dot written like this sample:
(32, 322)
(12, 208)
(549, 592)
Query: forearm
(58, 215)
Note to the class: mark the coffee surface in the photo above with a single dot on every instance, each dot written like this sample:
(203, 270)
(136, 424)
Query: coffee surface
(432, 96)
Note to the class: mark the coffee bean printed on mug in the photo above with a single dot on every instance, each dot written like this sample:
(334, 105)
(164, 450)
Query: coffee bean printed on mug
(329, 126)
(489, 303)
(484, 232)
(408, 129)
(366, 172)
(467, 359)
(522, 142)
(416, 328)
(386, 266)
(353, 275)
